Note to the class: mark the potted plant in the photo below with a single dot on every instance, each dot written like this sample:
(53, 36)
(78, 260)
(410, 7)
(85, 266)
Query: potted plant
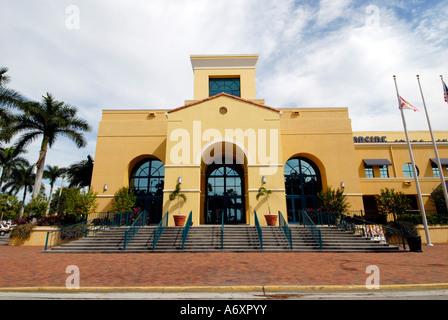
(271, 219)
(179, 219)
(412, 237)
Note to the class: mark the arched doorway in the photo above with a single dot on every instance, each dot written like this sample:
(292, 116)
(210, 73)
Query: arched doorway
(224, 193)
(147, 180)
(302, 184)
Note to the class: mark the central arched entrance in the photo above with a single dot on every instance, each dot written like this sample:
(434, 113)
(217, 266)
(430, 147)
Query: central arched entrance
(224, 193)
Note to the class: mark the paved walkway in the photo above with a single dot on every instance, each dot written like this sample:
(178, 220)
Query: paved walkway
(28, 267)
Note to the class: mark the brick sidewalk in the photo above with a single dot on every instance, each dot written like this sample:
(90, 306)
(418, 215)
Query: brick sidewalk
(28, 267)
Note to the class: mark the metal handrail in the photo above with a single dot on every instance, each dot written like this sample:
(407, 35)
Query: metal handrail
(103, 221)
(369, 229)
(260, 233)
(159, 230)
(130, 233)
(285, 227)
(313, 229)
(186, 229)
(222, 231)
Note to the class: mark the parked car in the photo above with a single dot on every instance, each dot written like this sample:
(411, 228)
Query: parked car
(4, 228)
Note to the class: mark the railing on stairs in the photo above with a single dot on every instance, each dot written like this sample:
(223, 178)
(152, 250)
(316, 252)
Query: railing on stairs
(260, 234)
(102, 221)
(285, 227)
(364, 228)
(133, 229)
(159, 230)
(186, 229)
(222, 231)
(313, 229)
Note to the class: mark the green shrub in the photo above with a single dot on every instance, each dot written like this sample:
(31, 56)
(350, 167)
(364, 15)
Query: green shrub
(333, 200)
(389, 201)
(74, 203)
(37, 207)
(124, 200)
(22, 231)
(438, 199)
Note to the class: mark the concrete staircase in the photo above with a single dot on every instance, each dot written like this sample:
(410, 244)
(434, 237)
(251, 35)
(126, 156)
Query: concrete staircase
(237, 238)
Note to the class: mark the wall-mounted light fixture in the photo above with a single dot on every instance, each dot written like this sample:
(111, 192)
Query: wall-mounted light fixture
(263, 179)
(105, 187)
(179, 180)
(342, 185)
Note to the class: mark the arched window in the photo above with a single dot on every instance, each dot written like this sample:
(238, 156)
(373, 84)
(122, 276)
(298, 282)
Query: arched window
(302, 184)
(408, 172)
(147, 180)
(227, 85)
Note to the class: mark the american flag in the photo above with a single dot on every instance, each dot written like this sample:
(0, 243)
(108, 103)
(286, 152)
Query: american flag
(445, 91)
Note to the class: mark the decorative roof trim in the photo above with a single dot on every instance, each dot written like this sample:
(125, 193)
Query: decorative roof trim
(225, 95)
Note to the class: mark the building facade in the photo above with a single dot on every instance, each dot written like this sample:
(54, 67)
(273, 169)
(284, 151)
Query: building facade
(225, 143)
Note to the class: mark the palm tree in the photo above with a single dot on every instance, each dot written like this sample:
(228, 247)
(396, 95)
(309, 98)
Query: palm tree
(264, 192)
(177, 194)
(49, 120)
(8, 98)
(80, 173)
(10, 159)
(21, 177)
(52, 173)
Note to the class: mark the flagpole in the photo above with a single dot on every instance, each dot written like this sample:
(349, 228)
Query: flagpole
(417, 184)
(439, 164)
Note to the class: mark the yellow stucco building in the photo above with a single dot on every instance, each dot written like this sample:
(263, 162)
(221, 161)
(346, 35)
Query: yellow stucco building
(225, 143)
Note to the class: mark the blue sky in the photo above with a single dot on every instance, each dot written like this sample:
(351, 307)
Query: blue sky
(135, 55)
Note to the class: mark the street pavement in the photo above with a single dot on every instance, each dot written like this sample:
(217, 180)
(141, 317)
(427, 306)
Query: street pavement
(27, 273)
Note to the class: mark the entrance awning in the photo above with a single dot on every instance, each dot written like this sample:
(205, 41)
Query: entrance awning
(377, 162)
(443, 161)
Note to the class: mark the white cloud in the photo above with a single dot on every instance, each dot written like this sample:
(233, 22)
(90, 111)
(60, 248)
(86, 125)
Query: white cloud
(312, 54)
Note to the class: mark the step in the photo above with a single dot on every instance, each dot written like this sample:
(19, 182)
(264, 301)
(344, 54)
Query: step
(236, 239)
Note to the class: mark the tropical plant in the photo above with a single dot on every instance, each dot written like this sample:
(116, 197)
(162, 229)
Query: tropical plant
(80, 173)
(9, 207)
(10, 159)
(52, 173)
(73, 203)
(389, 201)
(177, 194)
(438, 199)
(333, 200)
(8, 98)
(262, 191)
(21, 177)
(37, 207)
(124, 200)
(49, 120)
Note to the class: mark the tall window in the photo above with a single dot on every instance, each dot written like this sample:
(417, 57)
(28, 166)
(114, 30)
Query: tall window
(369, 172)
(147, 180)
(384, 171)
(302, 184)
(224, 194)
(226, 85)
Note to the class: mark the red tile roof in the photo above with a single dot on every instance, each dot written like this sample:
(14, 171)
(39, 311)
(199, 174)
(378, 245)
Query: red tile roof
(225, 95)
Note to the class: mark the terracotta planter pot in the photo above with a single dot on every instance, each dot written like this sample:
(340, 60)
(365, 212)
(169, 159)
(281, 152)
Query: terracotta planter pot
(179, 220)
(271, 219)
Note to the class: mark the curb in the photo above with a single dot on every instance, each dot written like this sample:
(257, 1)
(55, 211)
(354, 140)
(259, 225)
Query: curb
(259, 289)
